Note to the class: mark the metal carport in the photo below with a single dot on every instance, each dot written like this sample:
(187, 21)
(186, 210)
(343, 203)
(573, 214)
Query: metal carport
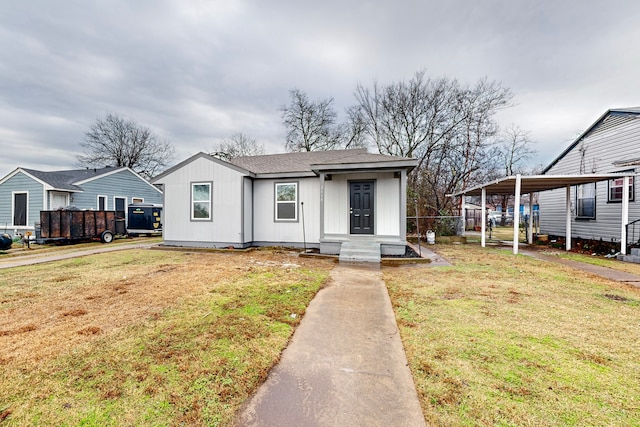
(519, 184)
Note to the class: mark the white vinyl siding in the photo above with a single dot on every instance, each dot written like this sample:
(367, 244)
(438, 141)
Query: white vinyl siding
(225, 226)
(386, 204)
(596, 154)
(265, 229)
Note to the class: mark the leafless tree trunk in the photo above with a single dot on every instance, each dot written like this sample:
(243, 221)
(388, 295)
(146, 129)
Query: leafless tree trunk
(115, 141)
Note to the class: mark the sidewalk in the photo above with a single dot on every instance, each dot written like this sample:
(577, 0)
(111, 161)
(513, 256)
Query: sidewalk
(345, 365)
(606, 272)
(38, 258)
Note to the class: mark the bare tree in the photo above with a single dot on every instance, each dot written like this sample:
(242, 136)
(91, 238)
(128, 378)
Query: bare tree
(311, 125)
(447, 126)
(237, 145)
(511, 155)
(116, 141)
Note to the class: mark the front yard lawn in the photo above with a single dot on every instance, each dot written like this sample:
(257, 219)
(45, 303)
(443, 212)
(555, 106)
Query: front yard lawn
(508, 340)
(146, 337)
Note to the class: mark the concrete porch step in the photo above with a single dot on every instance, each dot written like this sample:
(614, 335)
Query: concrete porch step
(360, 251)
(633, 257)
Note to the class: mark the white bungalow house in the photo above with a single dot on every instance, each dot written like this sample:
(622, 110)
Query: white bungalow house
(611, 145)
(318, 199)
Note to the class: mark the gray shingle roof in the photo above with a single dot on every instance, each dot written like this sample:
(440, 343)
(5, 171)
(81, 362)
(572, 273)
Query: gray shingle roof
(65, 180)
(303, 161)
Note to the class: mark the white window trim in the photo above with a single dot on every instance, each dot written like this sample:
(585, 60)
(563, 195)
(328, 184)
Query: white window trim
(13, 208)
(595, 194)
(276, 202)
(210, 201)
(58, 193)
(137, 200)
(611, 186)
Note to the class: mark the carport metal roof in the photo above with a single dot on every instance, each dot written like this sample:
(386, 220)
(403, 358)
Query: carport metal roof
(518, 184)
(535, 183)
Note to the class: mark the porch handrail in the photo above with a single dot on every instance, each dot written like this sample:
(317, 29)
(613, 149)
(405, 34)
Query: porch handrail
(633, 240)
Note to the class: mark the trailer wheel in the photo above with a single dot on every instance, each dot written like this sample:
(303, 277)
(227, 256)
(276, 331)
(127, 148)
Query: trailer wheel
(106, 237)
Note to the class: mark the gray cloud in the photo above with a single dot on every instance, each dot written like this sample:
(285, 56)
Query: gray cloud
(198, 71)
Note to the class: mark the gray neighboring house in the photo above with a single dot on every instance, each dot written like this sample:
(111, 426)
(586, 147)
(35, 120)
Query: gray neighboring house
(25, 192)
(320, 199)
(610, 145)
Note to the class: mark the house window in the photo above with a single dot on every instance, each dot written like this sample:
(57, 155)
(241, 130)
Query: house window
(615, 189)
(586, 201)
(201, 201)
(286, 201)
(20, 207)
(137, 200)
(102, 203)
(120, 204)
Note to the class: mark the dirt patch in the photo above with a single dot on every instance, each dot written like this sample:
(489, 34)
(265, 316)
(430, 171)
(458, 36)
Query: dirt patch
(66, 309)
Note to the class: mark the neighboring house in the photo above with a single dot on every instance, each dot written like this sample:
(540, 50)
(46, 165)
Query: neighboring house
(316, 199)
(610, 145)
(25, 192)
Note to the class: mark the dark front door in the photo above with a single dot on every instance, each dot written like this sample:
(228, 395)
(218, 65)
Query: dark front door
(361, 207)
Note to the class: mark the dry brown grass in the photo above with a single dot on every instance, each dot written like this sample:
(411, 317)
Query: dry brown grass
(499, 339)
(145, 337)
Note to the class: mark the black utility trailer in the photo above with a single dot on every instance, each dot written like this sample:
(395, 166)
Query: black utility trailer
(144, 218)
(67, 225)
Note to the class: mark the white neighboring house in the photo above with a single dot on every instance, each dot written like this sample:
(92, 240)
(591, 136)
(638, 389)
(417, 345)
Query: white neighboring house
(610, 145)
(319, 199)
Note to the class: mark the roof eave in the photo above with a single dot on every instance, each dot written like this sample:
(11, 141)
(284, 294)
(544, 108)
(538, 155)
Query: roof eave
(368, 167)
(276, 175)
(585, 133)
(157, 179)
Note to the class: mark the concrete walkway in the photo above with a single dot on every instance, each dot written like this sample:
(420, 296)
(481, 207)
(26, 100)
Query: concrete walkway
(41, 257)
(345, 365)
(606, 272)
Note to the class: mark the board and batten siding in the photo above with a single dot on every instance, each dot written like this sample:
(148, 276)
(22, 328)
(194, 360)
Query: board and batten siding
(247, 214)
(594, 154)
(267, 229)
(386, 203)
(20, 182)
(123, 183)
(225, 227)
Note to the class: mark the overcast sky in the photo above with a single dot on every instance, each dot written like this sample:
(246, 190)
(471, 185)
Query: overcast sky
(197, 71)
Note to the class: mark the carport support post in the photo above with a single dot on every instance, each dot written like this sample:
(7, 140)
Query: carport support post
(530, 219)
(483, 223)
(625, 215)
(567, 232)
(516, 214)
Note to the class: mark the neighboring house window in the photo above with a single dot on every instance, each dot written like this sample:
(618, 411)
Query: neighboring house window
(20, 207)
(201, 201)
(586, 201)
(120, 204)
(102, 203)
(615, 189)
(287, 201)
(137, 200)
